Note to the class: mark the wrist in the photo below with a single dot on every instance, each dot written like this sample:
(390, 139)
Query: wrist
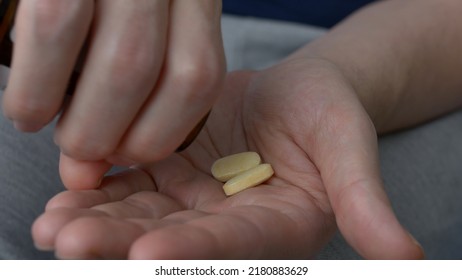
(378, 89)
(397, 64)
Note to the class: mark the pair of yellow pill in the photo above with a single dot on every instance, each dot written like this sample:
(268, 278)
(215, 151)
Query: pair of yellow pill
(241, 171)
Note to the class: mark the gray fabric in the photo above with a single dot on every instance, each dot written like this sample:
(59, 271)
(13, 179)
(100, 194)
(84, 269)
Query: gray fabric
(255, 43)
(28, 178)
(420, 166)
(422, 172)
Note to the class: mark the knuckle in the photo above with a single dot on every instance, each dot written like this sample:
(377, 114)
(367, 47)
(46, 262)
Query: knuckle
(131, 65)
(146, 149)
(79, 146)
(28, 109)
(197, 78)
(51, 18)
(142, 57)
(141, 155)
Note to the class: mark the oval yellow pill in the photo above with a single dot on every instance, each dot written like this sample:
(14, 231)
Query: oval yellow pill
(228, 167)
(248, 179)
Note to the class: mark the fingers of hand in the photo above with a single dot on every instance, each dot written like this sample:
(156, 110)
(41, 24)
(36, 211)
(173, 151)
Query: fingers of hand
(121, 74)
(111, 188)
(121, 199)
(93, 237)
(49, 35)
(46, 228)
(81, 175)
(124, 59)
(138, 99)
(196, 236)
(191, 79)
(237, 233)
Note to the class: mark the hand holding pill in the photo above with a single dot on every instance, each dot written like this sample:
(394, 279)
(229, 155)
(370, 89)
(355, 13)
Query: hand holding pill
(318, 139)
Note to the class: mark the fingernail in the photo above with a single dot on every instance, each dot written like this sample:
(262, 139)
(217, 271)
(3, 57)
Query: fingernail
(43, 248)
(100, 181)
(418, 245)
(27, 126)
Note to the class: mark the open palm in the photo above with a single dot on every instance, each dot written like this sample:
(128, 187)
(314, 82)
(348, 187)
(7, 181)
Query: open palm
(304, 118)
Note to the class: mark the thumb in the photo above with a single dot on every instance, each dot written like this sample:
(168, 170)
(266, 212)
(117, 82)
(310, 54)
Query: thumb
(82, 175)
(349, 164)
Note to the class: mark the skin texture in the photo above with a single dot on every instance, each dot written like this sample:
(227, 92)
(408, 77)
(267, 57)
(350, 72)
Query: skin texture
(315, 118)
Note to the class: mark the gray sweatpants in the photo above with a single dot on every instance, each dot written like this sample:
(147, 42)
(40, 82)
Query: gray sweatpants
(421, 166)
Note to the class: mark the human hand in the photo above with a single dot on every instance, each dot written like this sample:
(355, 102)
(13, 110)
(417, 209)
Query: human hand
(150, 72)
(301, 116)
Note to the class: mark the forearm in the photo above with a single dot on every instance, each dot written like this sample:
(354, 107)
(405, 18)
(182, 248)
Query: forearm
(404, 59)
